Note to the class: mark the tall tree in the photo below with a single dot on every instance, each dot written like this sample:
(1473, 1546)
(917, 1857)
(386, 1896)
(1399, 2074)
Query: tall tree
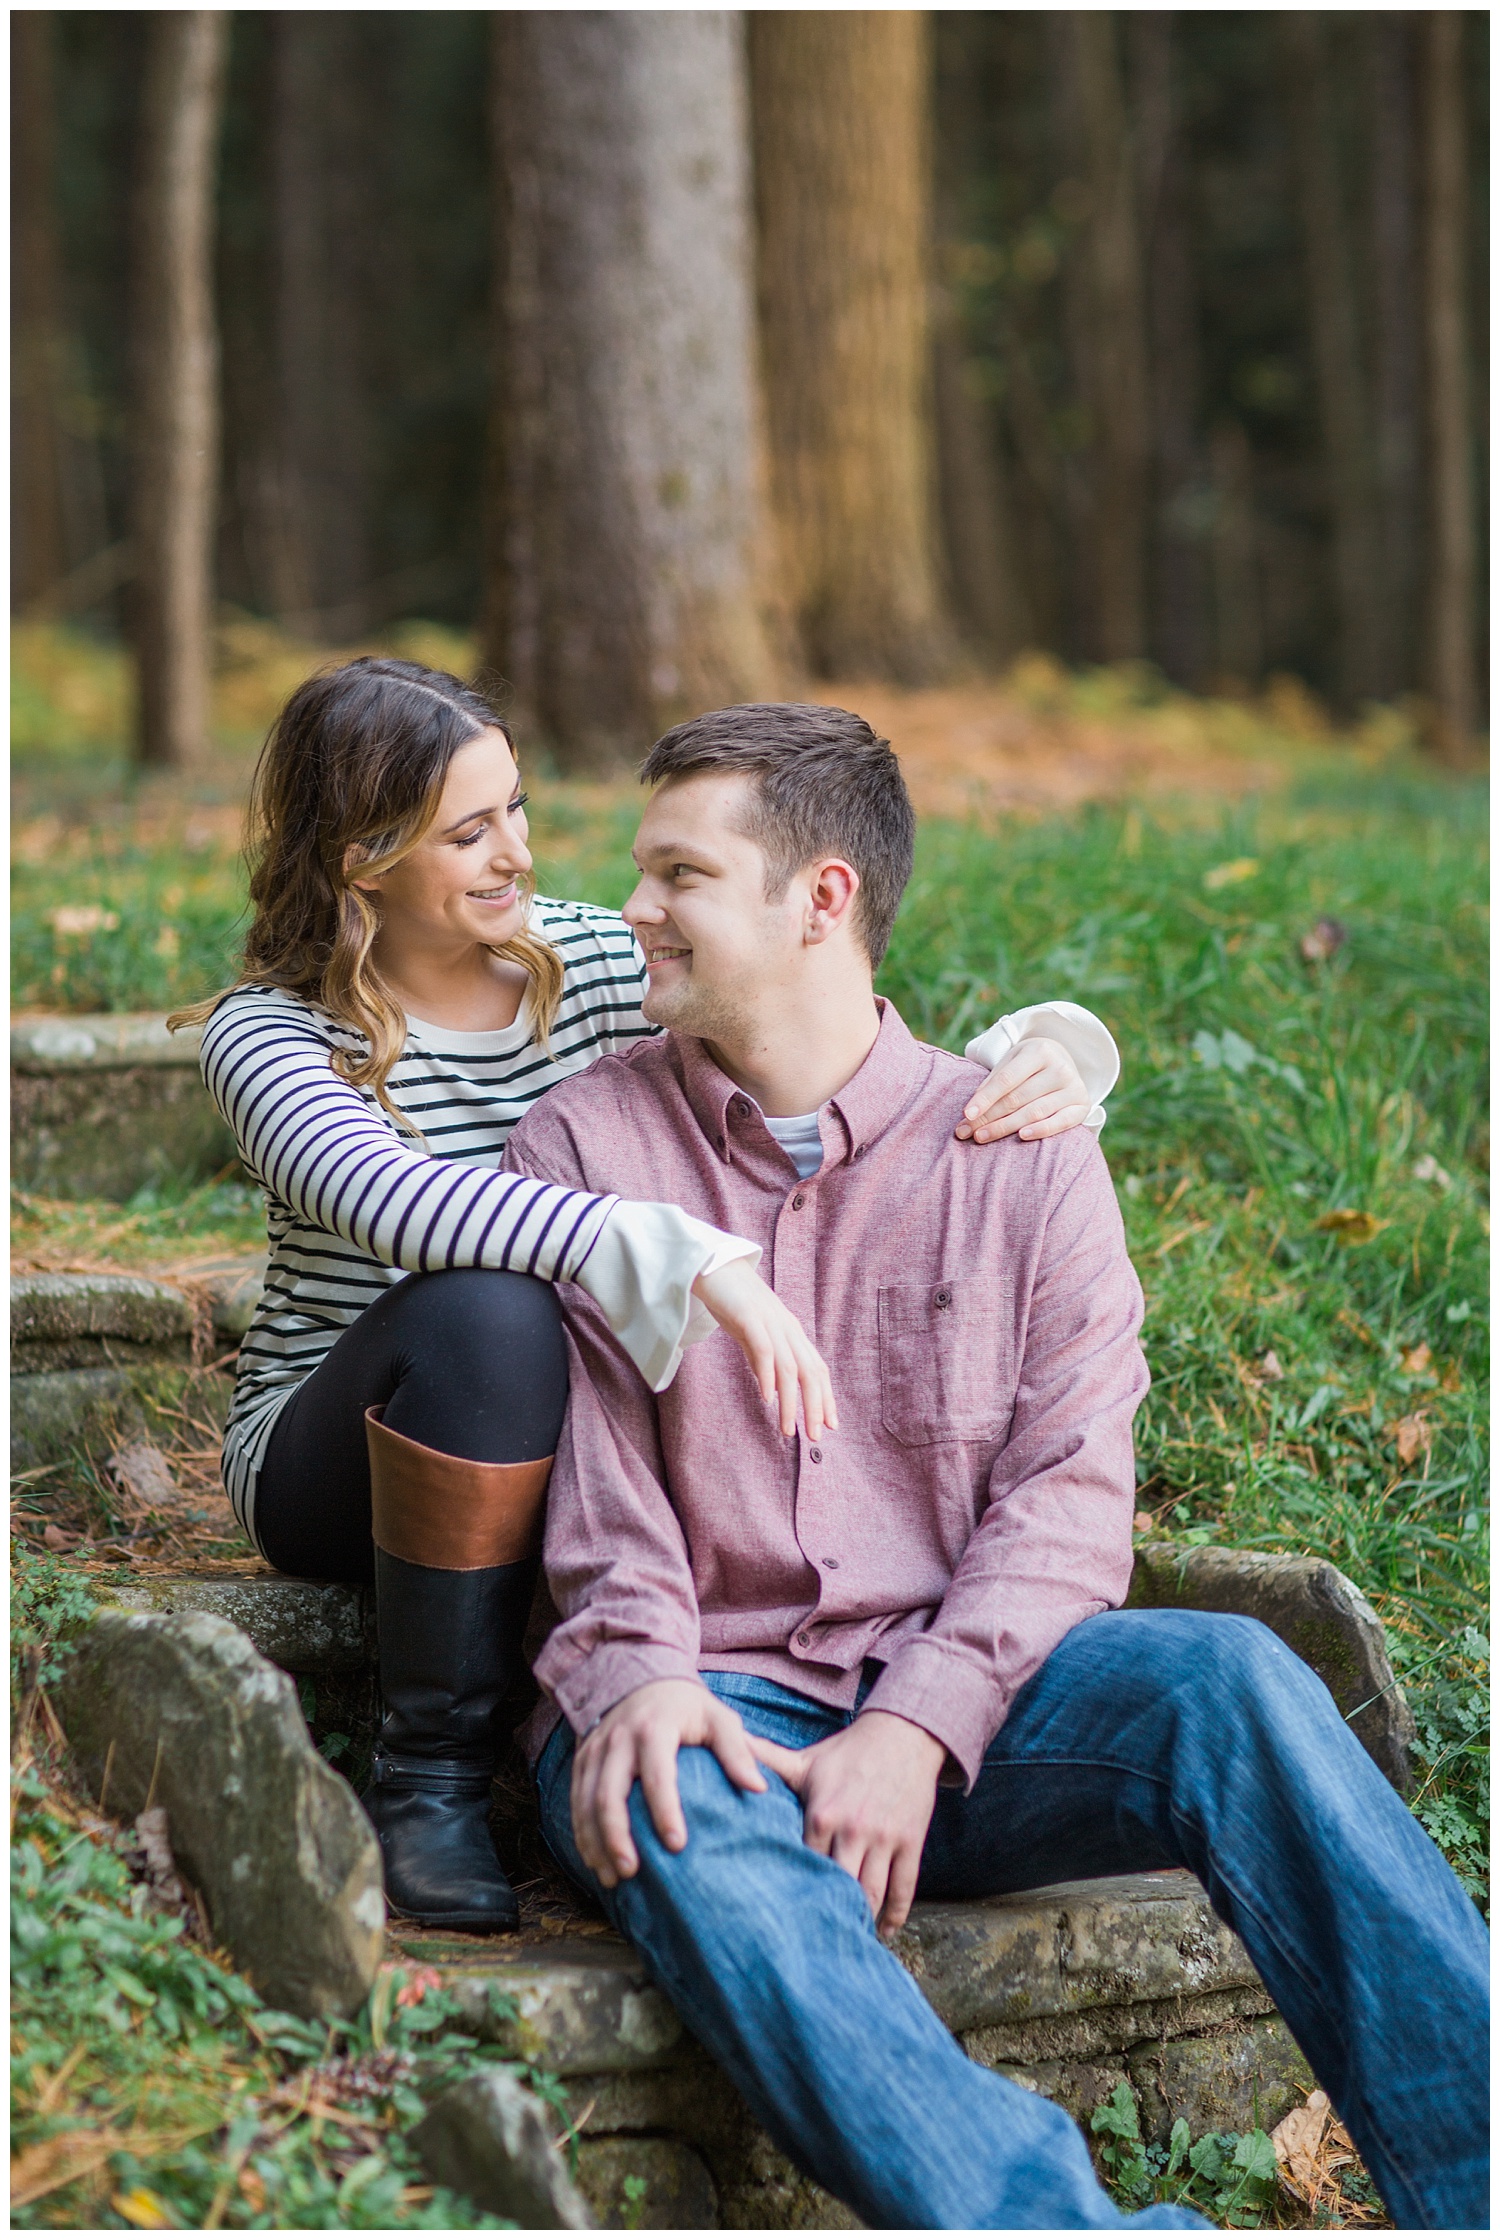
(175, 348)
(840, 102)
(624, 516)
(1450, 627)
(1389, 57)
(1110, 335)
(1339, 362)
(39, 555)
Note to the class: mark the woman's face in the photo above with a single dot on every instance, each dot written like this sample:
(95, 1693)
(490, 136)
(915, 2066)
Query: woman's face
(459, 885)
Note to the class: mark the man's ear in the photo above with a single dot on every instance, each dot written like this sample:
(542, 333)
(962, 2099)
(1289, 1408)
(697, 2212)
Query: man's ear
(832, 887)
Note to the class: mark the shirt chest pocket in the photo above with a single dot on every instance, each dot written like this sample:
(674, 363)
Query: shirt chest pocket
(943, 1367)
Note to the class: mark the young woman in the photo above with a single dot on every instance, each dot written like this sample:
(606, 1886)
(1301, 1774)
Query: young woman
(404, 998)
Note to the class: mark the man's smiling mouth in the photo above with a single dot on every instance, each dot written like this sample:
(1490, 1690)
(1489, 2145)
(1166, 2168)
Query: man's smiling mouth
(665, 956)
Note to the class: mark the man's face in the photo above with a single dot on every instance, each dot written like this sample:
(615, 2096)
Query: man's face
(713, 944)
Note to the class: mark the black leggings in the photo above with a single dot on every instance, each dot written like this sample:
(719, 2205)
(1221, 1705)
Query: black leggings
(468, 1360)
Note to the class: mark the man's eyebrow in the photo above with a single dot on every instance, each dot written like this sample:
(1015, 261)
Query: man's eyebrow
(680, 851)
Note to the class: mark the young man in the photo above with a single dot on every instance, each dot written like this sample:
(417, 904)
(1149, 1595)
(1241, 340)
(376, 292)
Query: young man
(802, 1680)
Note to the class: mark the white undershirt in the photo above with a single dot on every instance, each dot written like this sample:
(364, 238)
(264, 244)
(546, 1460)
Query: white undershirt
(800, 1140)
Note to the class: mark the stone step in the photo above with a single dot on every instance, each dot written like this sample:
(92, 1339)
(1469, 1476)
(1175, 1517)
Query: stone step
(85, 1348)
(102, 1104)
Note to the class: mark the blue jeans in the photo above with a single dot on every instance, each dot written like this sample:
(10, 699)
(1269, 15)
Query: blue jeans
(1148, 1739)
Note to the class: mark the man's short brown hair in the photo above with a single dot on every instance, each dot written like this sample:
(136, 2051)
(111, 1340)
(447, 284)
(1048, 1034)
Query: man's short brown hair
(823, 785)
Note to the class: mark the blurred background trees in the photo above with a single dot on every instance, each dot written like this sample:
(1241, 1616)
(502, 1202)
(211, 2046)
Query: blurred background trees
(685, 354)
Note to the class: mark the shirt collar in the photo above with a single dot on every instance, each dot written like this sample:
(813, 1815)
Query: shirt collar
(866, 1105)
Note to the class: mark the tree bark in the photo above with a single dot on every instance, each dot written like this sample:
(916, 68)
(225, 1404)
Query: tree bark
(624, 510)
(39, 556)
(1450, 627)
(176, 431)
(1343, 400)
(1239, 635)
(840, 110)
(1114, 383)
(1389, 59)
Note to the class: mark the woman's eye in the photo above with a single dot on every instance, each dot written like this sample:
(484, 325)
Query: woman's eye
(469, 838)
(519, 802)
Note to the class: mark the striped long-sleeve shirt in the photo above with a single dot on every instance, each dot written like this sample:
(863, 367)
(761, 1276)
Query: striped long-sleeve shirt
(353, 1205)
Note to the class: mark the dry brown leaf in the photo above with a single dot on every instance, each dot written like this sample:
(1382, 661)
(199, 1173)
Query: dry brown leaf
(1322, 941)
(1271, 1368)
(1144, 1521)
(1350, 1225)
(1417, 1362)
(1312, 2147)
(144, 1473)
(47, 2164)
(1413, 1437)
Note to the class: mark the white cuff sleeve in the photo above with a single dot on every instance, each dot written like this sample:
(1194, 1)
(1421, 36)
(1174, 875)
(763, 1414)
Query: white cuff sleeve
(640, 1273)
(1086, 1039)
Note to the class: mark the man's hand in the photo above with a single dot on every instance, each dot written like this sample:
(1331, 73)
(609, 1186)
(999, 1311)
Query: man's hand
(1037, 1091)
(867, 1796)
(773, 1341)
(638, 1741)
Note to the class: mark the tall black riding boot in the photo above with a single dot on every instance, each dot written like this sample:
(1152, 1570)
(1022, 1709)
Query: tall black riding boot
(455, 1563)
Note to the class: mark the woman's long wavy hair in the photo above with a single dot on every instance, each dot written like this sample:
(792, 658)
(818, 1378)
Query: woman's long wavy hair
(348, 782)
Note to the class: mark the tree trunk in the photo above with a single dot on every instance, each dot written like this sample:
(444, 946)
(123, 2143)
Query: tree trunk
(840, 109)
(1338, 363)
(39, 556)
(1113, 338)
(1389, 58)
(175, 453)
(624, 515)
(1239, 636)
(1179, 572)
(1450, 629)
(978, 526)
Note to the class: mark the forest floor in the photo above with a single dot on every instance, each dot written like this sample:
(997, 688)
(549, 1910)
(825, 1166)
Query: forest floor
(1286, 928)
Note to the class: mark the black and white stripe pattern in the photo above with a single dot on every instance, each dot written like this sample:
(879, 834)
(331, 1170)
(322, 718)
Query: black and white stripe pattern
(353, 1205)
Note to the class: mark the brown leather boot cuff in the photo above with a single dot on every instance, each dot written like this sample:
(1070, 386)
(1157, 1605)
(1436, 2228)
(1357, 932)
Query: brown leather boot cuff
(451, 1515)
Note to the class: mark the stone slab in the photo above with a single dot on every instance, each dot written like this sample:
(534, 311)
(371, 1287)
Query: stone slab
(133, 1311)
(57, 1411)
(67, 1042)
(303, 1625)
(1310, 1605)
(92, 1134)
(589, 2006)
(491, 2140)
(1228, 2080)
(670, 2188)
(181, 1711)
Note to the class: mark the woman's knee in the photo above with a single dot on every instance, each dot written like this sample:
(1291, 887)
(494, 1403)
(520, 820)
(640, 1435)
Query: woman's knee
(480, 1362)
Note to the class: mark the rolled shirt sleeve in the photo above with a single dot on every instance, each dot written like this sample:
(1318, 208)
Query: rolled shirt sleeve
(1086, 1039)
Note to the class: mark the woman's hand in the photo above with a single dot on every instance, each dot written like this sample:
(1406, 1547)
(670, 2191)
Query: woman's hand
(1037, 1091)
(775, 1345)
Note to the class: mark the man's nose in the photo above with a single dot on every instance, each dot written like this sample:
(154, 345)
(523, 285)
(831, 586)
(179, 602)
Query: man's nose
(641, 909)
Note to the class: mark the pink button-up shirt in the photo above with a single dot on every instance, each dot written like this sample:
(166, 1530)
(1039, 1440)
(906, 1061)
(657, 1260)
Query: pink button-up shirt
(980, 1318)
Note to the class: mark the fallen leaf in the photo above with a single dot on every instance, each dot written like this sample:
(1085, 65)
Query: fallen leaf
(1350, 1225)
(143, 1472)
(1271, 1368)
(253, 2187)
(1417, 1362)
(1428, 1170)
(1311, 2147)
(1144, 1521)
(1231, 874)
(58, 1540)
(1413, 1437)
(145, 2210)
(1322, 941)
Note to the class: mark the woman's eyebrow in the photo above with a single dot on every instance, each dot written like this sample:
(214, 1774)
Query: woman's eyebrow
(469, 819)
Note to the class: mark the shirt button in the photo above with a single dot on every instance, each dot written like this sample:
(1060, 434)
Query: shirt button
(815, 1454)
(943, 1298)
(740, 1109)
(803, 1639)
(798, 1202)
(830, 1563)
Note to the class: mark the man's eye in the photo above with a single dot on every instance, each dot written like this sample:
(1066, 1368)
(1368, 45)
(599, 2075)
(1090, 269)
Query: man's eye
(519, 802)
